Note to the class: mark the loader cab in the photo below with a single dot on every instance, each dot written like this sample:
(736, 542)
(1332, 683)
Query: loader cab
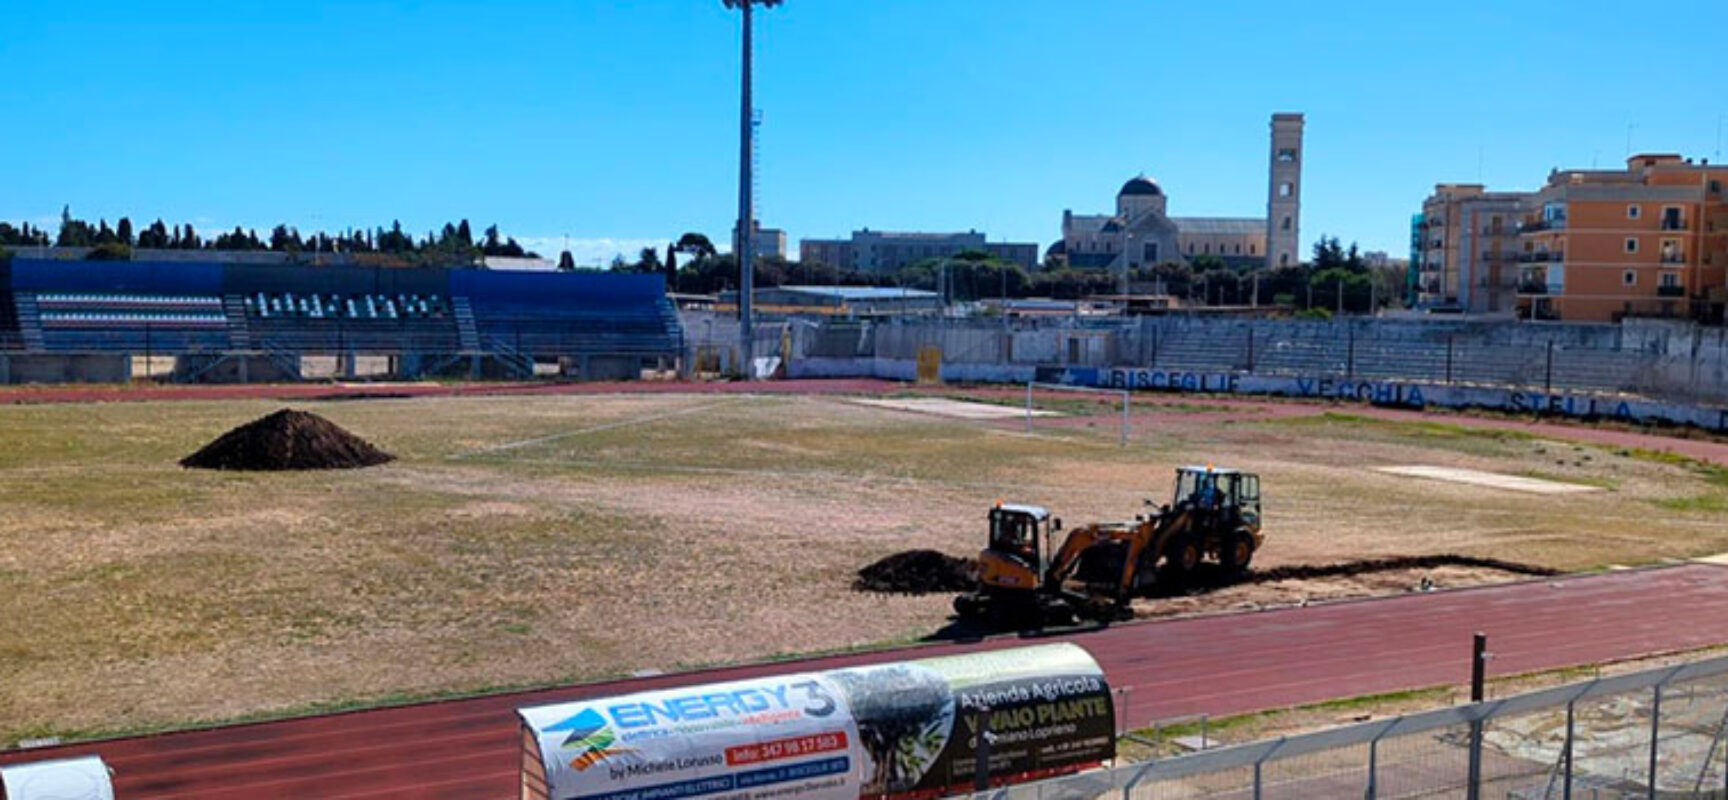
(1230, 493)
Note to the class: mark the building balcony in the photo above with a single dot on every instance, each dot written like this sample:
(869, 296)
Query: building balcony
(1537, 226)
(1674, 225)
(1532, 288)
(1541, 257)
(1670, 291)
(1673, 258)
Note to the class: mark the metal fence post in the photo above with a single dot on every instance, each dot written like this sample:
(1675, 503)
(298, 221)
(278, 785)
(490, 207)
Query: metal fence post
(1566, 777)
(1373, 768)
(1125, 422)
(1261, 761)
(1128, 789)
(1350, 363)
(1478, 663)
(1655, 734)
(1548, 377)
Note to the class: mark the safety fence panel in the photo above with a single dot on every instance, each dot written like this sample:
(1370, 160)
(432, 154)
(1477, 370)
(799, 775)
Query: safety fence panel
(1429, 765)
(1657, 734)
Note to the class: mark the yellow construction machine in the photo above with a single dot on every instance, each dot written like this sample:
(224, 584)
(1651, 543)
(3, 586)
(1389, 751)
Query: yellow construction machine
(1214, 514)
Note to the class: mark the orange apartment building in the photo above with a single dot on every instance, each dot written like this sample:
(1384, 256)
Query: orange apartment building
(1604, 245)
(1468, 249)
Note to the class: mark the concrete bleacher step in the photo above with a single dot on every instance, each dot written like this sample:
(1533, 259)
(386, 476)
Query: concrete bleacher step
(239, 335)
(30, 321)
(468, 334)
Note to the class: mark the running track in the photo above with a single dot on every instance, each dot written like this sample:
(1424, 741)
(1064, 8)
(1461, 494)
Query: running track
(1224, 664)
(1146, 404)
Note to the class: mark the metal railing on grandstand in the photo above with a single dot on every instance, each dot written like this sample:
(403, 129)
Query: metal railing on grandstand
(1659, 733)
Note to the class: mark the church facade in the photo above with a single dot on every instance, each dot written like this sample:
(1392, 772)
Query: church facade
(1142, 233)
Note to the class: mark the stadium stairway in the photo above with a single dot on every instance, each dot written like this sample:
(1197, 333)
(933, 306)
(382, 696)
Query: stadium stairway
(239, 334)
(467, 332)
(30, 322)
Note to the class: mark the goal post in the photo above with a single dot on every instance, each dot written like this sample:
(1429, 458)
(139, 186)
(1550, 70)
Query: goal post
(1123, 397)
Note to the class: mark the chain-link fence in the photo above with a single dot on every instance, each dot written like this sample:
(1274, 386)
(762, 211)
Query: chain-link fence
(1657, 734)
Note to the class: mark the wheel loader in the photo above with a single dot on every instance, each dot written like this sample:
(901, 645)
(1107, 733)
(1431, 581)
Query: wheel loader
(1214, 514)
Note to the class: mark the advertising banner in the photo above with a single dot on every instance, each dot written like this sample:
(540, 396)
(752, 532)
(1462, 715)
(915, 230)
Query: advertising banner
(903, 730)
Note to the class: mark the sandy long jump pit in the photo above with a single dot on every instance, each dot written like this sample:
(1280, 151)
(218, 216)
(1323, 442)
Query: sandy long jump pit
(944, 407)
(1492, 480)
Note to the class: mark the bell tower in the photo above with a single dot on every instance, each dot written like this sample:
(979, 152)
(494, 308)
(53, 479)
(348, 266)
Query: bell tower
(1284, 192)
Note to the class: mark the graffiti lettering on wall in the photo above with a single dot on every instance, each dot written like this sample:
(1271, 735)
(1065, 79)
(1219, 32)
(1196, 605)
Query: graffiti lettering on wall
(1395, 394)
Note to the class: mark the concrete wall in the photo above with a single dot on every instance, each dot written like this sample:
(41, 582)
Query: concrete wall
(36, 368)
(235, 369)
(1650, 372)
(1401, 394)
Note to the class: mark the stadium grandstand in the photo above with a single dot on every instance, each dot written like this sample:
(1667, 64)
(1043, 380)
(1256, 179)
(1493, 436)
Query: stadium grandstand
(85, 320)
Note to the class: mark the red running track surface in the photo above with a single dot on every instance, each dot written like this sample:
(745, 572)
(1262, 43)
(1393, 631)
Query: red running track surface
(1220, 665)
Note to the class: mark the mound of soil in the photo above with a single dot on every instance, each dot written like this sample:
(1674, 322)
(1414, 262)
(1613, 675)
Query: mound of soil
(918, 572)
(287, 440)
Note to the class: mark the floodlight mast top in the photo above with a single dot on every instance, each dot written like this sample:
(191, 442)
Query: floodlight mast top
(743, 243)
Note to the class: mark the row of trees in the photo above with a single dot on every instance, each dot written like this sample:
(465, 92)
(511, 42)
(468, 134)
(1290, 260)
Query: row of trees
(1337, 279)
(455, 243)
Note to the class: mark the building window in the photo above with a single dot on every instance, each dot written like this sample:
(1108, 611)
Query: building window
(1672, 219)
(1238, 248)
(1630, 277)
(1150, 253)
(1283, 259)
(1285, 189)
(1633, 212)
(1287, 154)
(1250, 249)
(1286, 224)
(1206, 249)
(1670, 280)
(1631, 245)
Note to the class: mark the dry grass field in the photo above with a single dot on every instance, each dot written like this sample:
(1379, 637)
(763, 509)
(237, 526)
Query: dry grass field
(527, 540)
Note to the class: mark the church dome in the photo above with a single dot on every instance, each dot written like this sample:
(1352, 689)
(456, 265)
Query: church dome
(1140, 187)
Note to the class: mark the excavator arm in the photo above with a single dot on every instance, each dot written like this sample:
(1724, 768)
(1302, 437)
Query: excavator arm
(1067, 557)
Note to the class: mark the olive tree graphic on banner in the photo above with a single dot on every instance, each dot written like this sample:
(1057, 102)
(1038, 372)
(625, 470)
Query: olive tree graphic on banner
(905, 715)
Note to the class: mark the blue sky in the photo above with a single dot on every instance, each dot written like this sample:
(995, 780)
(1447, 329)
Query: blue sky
(614, 123)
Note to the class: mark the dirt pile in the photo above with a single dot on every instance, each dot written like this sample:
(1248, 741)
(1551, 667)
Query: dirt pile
(287, 440)
(918, 572)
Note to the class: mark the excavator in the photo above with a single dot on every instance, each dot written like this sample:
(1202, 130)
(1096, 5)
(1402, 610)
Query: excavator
(1214, 513)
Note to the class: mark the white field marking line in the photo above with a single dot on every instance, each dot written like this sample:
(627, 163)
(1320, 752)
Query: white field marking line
(1077, 441)
(1491, 480)
(946, 407)
(517, 445)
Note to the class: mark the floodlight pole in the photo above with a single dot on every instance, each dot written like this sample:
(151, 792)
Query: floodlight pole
(746, 210)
